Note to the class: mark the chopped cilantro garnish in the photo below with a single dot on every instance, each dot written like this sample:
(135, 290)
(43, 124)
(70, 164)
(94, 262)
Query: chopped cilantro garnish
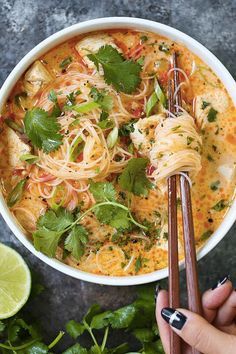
(215, 185)
(205, 104)
(189, 140)
(102, 98)
(211, 116)
(163, 47)
(210, 158)
(206, 235)
(127, 128)
(133, 178)
(222, 204)
(123, 74)
(143, 38)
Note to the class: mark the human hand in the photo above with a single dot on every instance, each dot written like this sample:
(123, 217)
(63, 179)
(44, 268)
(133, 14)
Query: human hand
(213, 333)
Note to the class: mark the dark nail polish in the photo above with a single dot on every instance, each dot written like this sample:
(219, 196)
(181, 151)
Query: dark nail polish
(220, 282)
(175, 318)
(157, 290)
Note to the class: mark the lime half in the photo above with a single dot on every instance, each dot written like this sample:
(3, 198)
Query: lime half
(15, 282)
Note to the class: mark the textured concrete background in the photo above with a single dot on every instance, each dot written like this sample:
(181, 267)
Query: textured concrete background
(24, 23)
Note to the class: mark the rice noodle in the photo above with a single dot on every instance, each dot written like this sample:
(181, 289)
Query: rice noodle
(177, 148)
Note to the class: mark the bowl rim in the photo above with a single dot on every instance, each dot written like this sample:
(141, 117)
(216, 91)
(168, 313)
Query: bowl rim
(103, 24)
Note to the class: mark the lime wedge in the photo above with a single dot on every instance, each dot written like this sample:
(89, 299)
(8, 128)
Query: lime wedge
(15, 282)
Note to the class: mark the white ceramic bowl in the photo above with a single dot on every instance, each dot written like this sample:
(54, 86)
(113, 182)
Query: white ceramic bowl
(103, 24)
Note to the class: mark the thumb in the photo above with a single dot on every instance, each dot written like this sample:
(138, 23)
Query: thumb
(198, 333)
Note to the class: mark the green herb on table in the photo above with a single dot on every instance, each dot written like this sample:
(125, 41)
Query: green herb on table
(123, 74)
(137, 319)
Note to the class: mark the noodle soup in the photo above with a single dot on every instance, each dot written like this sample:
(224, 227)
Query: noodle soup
(88, 145)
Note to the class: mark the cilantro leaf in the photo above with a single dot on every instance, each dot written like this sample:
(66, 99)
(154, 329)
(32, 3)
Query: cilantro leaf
(127, 128)
(92, 311)
(74, 329)
(42, 130)
(114, 216)
(123, 317)
(102, 191)
(144, 335)
(55, 220)
(123, 74)
(56, 112)
(101, 320)
(133, 178)
(76, 349)
(50, 228)
(76, 240)
(46, 241)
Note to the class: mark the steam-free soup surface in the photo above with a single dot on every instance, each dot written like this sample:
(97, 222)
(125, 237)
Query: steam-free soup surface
(87, 146)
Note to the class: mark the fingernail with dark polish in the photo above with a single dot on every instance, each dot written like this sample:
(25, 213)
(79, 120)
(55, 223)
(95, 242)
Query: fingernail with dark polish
(220, 282)
(157, 290)
(175, 318)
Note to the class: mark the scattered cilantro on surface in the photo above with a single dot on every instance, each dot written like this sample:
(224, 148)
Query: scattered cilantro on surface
(133, 178)
(123, 74)
(42, 130)
(137, 319)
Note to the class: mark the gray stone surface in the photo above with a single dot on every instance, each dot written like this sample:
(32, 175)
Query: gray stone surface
(24, 23)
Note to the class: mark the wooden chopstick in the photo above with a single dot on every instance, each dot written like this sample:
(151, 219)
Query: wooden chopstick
(173, 259)
(194, 301)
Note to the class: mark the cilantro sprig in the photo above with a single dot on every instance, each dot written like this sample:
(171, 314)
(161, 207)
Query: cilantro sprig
(123, 74)
(57, 223)
(136, 319)
(60, 223)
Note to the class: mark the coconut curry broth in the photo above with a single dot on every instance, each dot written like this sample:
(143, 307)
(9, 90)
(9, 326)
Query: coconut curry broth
(204, 96)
